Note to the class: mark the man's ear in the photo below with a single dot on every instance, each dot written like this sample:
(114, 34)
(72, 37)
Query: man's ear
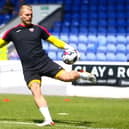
(20, 16)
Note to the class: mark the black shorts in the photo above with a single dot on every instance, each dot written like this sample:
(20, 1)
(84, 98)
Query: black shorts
(46, 67)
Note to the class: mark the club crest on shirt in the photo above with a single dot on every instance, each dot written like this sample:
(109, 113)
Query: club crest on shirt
(31, 29)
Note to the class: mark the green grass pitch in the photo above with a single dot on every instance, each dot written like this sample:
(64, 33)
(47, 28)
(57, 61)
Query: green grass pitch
(20, 112)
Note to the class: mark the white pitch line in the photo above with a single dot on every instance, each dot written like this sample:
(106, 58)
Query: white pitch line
(63, 113)
(68, 126)
(30, 123)
(17, 122)
(58, 125)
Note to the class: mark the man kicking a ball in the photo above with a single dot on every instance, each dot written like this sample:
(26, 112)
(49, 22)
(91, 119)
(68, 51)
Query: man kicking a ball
(35, 62)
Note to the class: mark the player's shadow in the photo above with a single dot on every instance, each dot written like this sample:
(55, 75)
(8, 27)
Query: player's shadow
(70, 122)
(64, 122)
(8, 119)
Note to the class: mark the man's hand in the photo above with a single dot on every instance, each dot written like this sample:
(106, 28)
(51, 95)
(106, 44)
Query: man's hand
(70, 48)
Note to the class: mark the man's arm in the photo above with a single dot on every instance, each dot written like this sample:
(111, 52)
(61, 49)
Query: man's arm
(58, 43)
(2, 43)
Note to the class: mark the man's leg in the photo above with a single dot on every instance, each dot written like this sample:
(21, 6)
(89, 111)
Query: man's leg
(41, 103)
(74, 75)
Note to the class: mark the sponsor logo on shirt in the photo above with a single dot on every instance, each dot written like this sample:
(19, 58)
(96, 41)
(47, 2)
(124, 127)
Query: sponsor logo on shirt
(31, 29)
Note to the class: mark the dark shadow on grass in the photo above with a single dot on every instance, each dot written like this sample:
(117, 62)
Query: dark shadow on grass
(17, 120)
(70, 122)
(8, 119)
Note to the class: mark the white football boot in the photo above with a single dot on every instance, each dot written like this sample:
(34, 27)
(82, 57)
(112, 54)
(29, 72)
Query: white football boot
(88, 76)
(46, 123)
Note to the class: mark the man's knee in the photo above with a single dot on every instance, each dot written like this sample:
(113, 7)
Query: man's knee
(34, 82)
(35, 89)
(68, 76)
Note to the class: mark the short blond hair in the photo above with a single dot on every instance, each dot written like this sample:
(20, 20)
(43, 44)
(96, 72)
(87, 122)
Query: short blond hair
(29, 7)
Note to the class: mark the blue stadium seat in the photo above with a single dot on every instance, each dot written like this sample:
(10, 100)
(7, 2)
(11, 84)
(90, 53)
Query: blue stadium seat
(67, 2)
(111, 30)
(121, 39)
(110, 7)
(67, 8)
(56, 30)
(2, 3)
(110, 56)
(82, 56)
(93, 22)
(52, 55)
(127, 48)
(111, 14)
(82, 38)
(84, 15)
(101, 40)
(75, 8)
(40, 1)
(100, 56)
(90, 56)
(120, 30)
(84, 23)
(102, 7)
(64, 37)
(59, 55)
(82, 47)
(102, 30)
(111, 48)
(64, 30)
(45, 45)
(119, 7)
(94, 16)
(56, 34)
(93, 8)
(67, 17)
(102, 15)
(120, 22)
(92, 39)
(127, 56)
(111, 39)
(83, 30)
(111, 21)
(120, 15)
(75, 22)
(127, 39)
(74, 30)
(77, 2)
(66, 23)
(57, 24)
(73, 38)
(121, 47)
(51, 1)
(101, 48)
(102, 21)
(91, 47)
(74, 45)
(52, 48)
(121, 57)
(34, 1)
(59, 1)
(92, 30)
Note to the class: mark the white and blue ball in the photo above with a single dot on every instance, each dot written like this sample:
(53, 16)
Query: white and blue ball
(70, 56)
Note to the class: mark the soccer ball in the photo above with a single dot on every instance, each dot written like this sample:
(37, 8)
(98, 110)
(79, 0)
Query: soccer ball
(70, 56)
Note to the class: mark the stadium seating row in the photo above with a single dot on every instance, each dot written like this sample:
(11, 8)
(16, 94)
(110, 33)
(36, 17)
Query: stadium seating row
(97, 28)
(90, 56)
(101, 39)
(120, 48)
